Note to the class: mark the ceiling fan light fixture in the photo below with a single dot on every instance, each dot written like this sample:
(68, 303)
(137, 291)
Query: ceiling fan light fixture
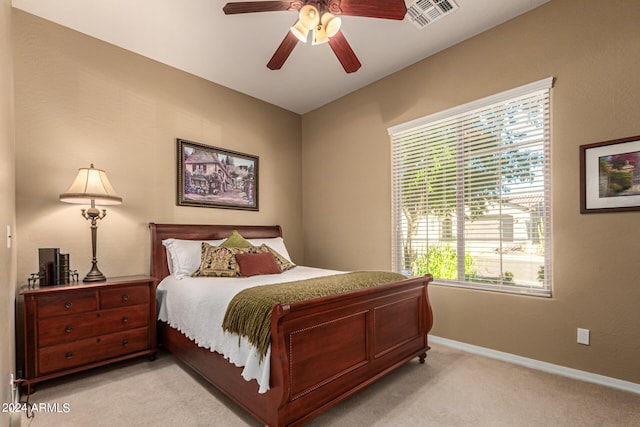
(319, 35)
(329, 27)
(309, 16)
(300, 31)
(332, 24)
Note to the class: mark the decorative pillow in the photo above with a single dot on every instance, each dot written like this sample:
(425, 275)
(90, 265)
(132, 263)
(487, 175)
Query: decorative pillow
(235, 240)
(219, 261)
(283, 263)
(275, 243)
(260, 263)
(184, 256)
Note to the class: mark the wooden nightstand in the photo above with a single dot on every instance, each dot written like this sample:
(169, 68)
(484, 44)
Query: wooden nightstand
(70, 328)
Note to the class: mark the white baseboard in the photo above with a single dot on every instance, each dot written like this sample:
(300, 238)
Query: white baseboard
(537, 364)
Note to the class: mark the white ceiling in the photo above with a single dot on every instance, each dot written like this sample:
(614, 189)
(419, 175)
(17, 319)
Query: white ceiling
(196, 36)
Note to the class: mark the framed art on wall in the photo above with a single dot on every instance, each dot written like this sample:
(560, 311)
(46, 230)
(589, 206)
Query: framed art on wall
(216, 178)
(610, 176)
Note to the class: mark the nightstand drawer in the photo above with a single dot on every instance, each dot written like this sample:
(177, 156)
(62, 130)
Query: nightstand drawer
(89, 350)
(67, 303)
(58, 330)
(124, 296)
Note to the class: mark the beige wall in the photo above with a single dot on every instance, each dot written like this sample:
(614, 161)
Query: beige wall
(7, 207)
(593, 54)
(82, 101)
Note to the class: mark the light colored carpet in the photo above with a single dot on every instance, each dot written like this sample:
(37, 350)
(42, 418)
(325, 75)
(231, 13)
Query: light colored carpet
(453, 388)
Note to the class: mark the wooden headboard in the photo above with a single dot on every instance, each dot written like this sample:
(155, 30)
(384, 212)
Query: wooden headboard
(159, 232)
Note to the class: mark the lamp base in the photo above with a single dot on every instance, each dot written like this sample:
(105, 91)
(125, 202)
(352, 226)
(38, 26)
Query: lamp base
(94, 276)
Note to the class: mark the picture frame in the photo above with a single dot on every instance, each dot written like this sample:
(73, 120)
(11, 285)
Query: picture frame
(610, 176)
(212, 177)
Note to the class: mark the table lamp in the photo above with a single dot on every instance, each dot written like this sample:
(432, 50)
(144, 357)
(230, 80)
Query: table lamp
(92, 186)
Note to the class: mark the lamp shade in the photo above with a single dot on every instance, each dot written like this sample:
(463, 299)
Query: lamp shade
(332, 24)
(320, 35)
(91, 184)
(309, 16)
(300, 31)
(328, 27)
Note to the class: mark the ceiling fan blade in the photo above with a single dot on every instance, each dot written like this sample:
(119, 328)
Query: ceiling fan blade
(282, 53)
(385, 9)
(260, 6)
(345, 54)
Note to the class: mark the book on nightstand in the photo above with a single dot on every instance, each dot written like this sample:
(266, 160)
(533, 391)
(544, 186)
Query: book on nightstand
(53, 267)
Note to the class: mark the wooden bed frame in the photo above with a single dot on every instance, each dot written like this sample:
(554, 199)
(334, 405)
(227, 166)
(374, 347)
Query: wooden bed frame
(322, 351)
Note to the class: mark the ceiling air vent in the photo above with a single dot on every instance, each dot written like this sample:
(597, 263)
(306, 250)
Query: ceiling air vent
(424, 12)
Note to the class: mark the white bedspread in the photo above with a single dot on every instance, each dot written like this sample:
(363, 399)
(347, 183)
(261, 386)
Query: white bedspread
(196, 307)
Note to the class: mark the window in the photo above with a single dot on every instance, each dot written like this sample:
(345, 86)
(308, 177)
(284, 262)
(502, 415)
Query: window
(471, 193)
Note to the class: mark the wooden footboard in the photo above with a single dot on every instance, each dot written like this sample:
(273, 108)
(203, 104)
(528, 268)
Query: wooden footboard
(322, 351)
(325, 350)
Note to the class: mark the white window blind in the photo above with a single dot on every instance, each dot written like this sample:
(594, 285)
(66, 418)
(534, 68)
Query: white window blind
(471, 193)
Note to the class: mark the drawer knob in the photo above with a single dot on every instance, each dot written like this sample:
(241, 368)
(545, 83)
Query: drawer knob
(125, 342)
(68, 329)
(125, 319)
(68, 304)
(125, 297)
(69, 355)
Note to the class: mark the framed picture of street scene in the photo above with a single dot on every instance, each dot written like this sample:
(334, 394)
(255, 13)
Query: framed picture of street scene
(610, 176)
(212, 177)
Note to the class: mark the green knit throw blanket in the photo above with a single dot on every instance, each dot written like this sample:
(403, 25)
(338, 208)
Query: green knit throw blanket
(249, 312)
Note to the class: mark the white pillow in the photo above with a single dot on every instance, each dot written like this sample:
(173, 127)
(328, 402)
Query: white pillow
(275, 243)
(183, 256)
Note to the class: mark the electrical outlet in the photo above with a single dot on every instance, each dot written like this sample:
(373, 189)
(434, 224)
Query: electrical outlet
(583, 336)
(8, 237)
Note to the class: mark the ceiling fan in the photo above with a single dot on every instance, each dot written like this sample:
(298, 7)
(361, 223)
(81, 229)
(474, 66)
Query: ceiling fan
(322, 19)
